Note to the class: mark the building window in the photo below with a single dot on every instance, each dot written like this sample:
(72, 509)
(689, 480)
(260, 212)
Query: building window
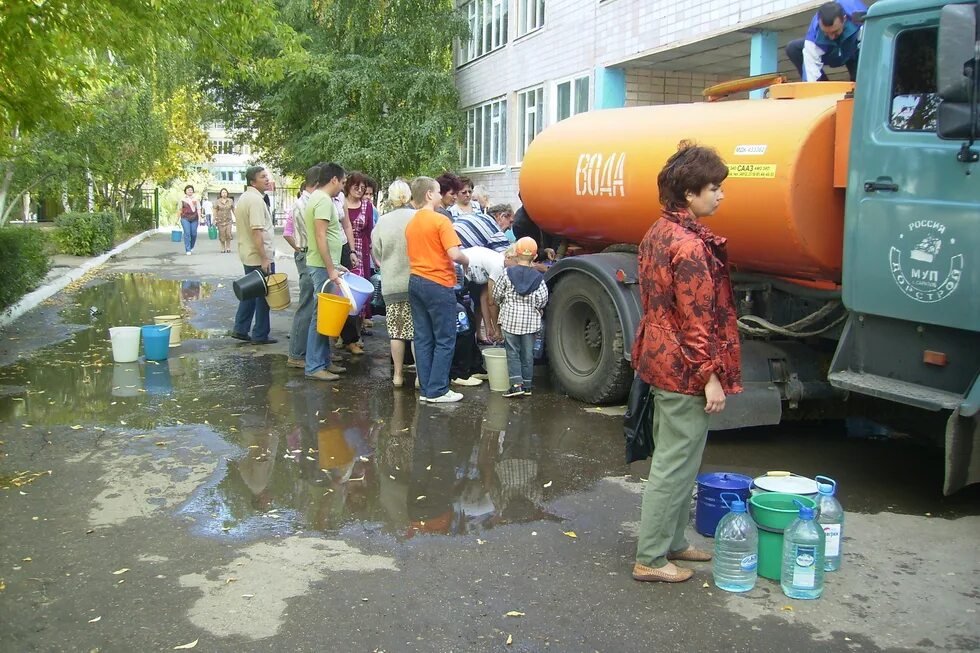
(486, 135)
(224, 146)
(530, 16)
(488, 28)
(530, 111)
(571, 97)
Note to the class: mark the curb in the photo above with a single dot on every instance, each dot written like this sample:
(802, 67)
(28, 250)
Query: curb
(35, 297)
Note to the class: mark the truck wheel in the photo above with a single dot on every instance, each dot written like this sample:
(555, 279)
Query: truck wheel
(585, 342)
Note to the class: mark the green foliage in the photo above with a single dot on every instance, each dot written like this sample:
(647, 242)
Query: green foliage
(376, 92)
(140, 219)
(85, 234)
(24, 262)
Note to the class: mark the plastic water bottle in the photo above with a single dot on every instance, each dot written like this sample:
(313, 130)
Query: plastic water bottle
(462, 320)
(736, 559)
(803, 547)
(831, 519)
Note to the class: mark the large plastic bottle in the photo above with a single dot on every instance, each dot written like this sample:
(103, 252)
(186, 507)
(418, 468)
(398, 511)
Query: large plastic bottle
(831, 519)
(803, 547)
(736, 556)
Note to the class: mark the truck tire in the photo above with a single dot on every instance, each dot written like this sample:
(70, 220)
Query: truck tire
(584, 341)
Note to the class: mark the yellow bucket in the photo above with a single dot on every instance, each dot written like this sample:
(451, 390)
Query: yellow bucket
(278, 291)
(175, 322)
(331, 313)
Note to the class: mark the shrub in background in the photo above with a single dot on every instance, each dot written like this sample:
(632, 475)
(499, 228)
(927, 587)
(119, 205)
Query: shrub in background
(24, 262)
(140, 219)
(85, 234)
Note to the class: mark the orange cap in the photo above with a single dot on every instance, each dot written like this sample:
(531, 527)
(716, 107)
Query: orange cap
(526, 246)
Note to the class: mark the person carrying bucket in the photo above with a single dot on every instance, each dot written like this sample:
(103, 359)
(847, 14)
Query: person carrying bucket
(322, 224)
(255, 249)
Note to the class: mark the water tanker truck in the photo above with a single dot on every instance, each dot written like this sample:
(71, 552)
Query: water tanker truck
(852, 214)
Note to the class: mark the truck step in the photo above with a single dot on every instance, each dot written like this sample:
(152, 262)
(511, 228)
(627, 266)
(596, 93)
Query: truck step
(894, 390)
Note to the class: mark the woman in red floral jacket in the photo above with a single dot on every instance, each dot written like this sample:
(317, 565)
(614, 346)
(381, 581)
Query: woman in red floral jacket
(686, 348)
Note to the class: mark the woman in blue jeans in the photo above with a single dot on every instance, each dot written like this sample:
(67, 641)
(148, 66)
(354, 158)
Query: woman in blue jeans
(190, 212)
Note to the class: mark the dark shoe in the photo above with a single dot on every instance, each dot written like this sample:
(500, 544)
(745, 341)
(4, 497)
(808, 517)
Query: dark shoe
(669, 573)
(240, 336)
(690, 554)
(515, 391)
(296, 362)
(267, 341)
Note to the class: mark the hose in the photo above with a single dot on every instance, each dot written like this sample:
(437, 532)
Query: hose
(792, 330)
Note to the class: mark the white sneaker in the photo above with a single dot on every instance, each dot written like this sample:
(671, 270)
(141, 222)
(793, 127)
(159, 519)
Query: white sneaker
(188, 253)
(472, 380)
(447, 398)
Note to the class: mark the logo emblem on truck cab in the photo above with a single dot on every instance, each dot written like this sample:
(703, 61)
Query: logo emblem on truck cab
(927, 265)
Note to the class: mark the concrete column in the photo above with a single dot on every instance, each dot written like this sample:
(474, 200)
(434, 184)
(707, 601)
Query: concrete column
(762, 57)
(610, 88)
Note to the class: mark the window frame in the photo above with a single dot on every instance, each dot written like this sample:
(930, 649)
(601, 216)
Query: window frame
(891, 95)
(523, 141)
(524, 7)
(482, 15)
(478, 153)
(571, 81)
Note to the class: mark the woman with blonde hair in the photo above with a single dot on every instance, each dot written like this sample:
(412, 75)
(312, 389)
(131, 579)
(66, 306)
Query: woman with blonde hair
(390, 250)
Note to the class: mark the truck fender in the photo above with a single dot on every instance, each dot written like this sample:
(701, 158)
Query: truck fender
(603, 268)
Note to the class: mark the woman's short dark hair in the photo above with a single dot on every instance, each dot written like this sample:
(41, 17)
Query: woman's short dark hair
(464, 182)
(353, 179)
(371, 183)
(690, 169)
(223, 190)
(188, 186)
(448, 183)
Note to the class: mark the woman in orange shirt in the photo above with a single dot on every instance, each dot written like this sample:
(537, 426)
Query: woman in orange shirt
(686, 348)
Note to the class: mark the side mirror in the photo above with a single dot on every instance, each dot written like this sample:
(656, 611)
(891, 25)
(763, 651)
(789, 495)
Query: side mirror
(957, 117)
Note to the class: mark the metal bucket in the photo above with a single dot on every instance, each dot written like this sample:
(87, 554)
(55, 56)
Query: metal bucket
(278, 293)
(175, 322)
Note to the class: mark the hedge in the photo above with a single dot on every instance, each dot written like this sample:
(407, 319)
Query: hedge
(85, 234)
(140, 219)
(24, 262)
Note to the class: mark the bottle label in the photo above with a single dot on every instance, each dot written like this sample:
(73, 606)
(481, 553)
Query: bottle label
(749, 562)
(833, 533)
(804, 569)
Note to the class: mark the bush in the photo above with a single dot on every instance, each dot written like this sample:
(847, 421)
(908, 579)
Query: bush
(85, 234)
(24, 262)
(140, 219)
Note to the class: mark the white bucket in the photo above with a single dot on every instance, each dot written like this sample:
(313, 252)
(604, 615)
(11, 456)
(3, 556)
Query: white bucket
(786, 483)
(495, 359)
(175, 322)
(125, 343)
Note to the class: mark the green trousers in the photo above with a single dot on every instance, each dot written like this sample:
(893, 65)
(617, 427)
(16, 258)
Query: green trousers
(680, 429)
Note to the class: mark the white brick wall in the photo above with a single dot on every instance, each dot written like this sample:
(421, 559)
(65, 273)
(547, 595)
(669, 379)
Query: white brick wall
(580, 35)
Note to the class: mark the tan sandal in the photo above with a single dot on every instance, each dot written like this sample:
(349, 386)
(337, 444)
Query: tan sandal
(690, 554)
(669, 573)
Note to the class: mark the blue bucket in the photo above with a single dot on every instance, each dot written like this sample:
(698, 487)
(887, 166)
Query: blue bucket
(710, 508)
(176, 235)
(156, 341)
(158, 379)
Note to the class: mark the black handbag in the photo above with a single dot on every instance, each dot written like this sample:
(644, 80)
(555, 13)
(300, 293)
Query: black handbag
(638, 422)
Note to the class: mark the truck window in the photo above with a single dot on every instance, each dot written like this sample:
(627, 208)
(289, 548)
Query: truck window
(914, 97)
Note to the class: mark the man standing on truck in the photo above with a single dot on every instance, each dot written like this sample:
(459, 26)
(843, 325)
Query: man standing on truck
(833, 39)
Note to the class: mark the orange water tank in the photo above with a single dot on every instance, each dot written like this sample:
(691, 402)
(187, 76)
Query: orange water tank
(593, 178)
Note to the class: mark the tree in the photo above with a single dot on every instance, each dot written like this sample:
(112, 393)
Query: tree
(58, 57)
(376, 91)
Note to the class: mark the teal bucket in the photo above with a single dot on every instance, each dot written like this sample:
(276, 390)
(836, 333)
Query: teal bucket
(176, 235)
(156, 341)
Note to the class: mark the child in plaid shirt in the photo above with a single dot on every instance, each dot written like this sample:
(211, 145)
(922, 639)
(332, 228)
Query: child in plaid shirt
(521, 293)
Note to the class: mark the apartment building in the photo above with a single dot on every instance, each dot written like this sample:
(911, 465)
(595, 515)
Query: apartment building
(531, 63)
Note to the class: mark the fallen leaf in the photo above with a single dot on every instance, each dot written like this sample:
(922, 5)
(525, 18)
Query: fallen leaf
(76, 427)
(187, 645)
(120, 571)
(571, 534)
(231, 579)
(96, 620)
(514, 613)
(247, 596)
(27, 560)
(706, 584)
(510, 640)
(786, 608)
(548, 484)
(479, 541)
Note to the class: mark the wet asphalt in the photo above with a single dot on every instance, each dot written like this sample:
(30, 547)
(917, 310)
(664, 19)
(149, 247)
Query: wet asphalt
(222, 498)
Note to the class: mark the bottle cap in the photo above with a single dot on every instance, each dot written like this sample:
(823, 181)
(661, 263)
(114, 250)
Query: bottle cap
(826, 489)
(738, 506)
(806, 513)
